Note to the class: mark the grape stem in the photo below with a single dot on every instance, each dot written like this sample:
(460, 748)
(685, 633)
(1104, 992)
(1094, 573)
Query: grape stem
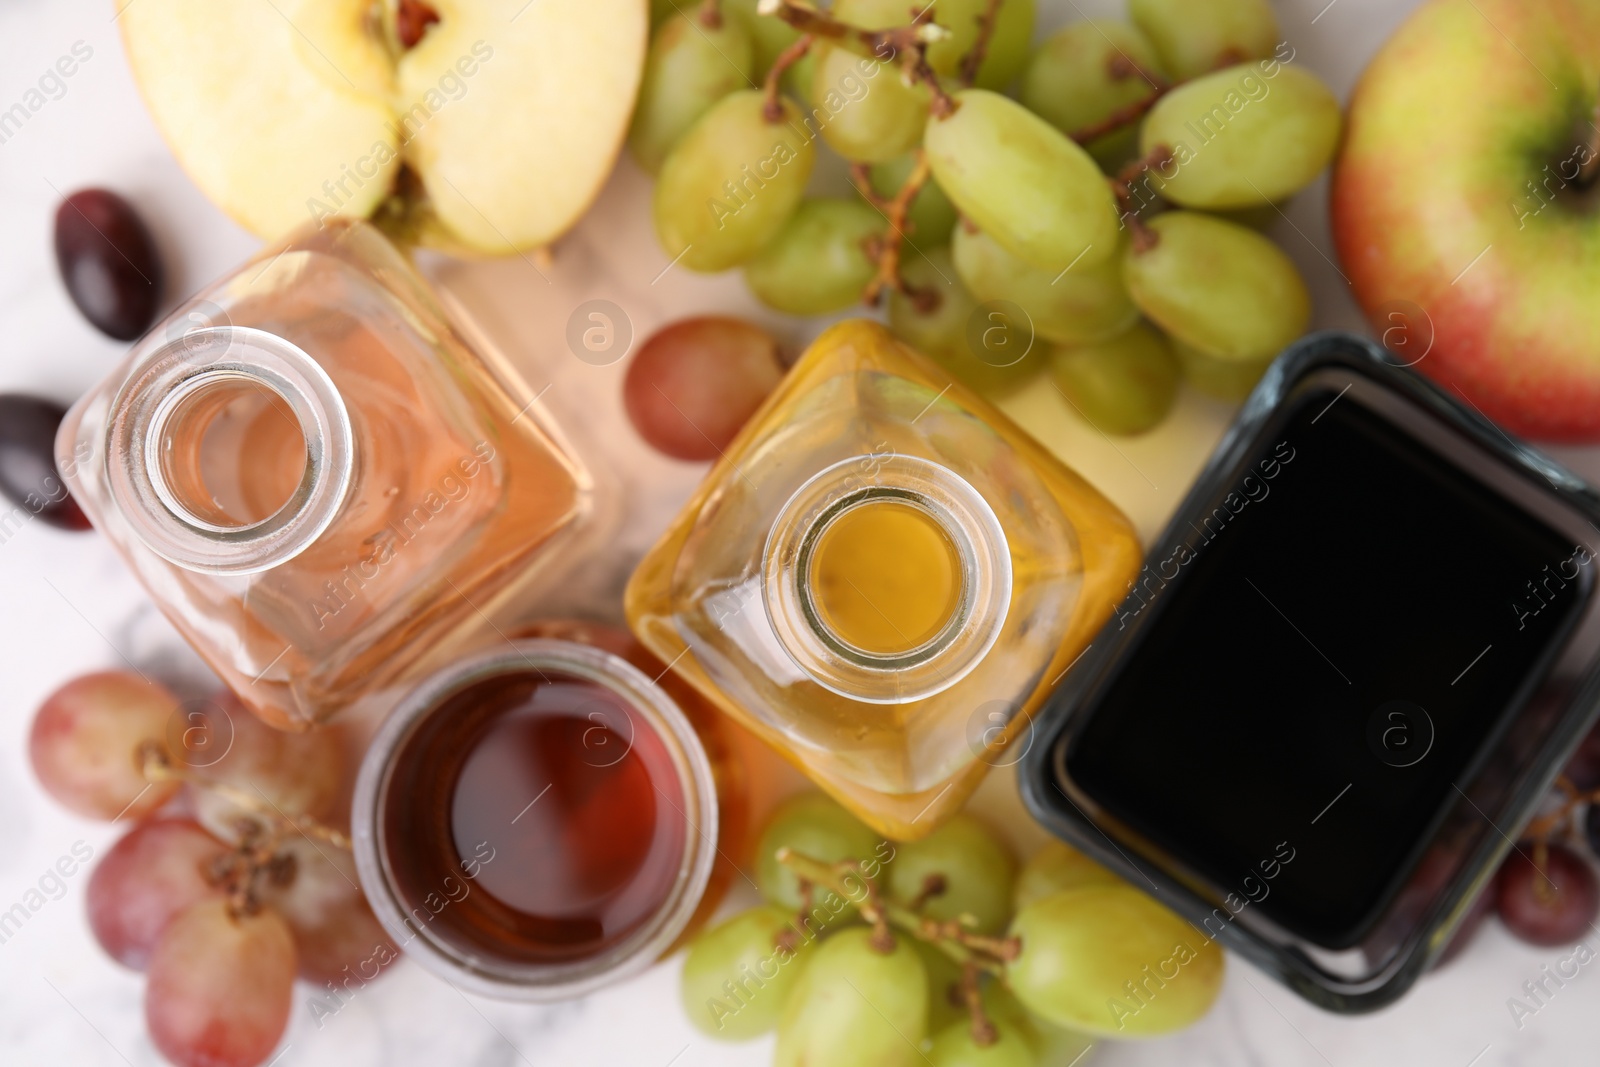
(885, 248)
(980, 47)
(772, 110)
(1144, 238)
(984, 1032)
(905, 45)
(157, 767)
(241, 872)
(981, 952)
(1545, 828)
(1124, 115)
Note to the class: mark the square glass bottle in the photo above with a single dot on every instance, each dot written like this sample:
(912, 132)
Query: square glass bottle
(883, 578)
(319, 478)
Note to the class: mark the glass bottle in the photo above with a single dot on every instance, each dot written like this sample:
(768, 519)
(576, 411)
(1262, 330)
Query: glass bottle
(883, 578)
(321, 481)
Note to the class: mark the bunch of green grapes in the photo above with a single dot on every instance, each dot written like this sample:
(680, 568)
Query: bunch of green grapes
(867, 965)
(1091, 205)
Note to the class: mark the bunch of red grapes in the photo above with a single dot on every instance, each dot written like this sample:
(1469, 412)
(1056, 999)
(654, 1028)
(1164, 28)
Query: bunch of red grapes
(235, 876)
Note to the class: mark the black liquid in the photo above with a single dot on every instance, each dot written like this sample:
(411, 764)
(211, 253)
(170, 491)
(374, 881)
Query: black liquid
(1362, 575)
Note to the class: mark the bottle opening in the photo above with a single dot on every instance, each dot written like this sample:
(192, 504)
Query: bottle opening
(886, 578)
(230, 452)
(884, 574)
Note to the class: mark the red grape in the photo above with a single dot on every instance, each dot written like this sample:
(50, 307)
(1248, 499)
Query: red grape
(28, 475)
(1555, 906)
(334, 928)
(156, 871)
(108, 262)
(85, 741)
(695, 383)
(290, 774)
(220, 986)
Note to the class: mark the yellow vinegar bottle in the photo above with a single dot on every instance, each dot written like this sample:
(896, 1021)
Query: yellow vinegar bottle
(883, 578)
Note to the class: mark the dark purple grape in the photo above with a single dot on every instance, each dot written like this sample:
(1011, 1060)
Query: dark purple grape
(1555, 906)
(28, 475)
(1480, 910)
(108, 262)
(1591, 828)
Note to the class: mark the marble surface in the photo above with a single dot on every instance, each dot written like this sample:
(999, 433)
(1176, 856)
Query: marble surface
(67, 606)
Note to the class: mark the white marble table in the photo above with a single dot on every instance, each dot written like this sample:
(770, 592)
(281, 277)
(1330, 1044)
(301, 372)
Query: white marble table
(66, 606)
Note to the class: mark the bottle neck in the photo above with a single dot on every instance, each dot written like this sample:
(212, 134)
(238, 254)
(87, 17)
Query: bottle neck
(229, 451)
(886, 578)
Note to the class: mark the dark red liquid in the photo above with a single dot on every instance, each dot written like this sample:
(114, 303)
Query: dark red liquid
(535, 818)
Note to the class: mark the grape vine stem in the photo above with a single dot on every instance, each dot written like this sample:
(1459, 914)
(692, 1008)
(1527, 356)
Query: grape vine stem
(980, 47)
(1543, 829)
(158, 767)
(886, 248)
(772, 109)
(955, 940)
(905, 45)
(1144, 238)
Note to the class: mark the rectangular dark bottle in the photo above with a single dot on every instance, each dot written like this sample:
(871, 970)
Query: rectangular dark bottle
(1345, 672)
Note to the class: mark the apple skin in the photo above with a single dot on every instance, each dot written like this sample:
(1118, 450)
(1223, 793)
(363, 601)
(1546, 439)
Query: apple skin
(1449, 132)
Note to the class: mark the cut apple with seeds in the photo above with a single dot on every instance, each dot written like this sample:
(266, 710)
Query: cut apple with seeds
(482, 126)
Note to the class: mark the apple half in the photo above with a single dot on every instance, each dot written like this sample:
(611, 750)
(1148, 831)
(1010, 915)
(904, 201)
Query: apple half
(1466, 208)
(479, 126)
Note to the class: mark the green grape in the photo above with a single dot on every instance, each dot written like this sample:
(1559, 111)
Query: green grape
(689, 68)
(731, 183)
(976, 867)
(1195, 37)
(1023, 182)
(1109, 960)
(1222, 293)
(855, 1006)
(954, 1047)
(1086, 303)
(1122, 386)
(771, 34)
(1008, 44)
(1242, 140)
(818, 263)
(931, 216)
(736, 979)
(1051, 1044)
(1227, 379)
(1086, 72)
(818, 827)
(862, 108)
(1055, 867)
(941, 332)
(945, 1005)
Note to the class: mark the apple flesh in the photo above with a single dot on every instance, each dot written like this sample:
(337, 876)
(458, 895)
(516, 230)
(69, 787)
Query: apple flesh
(1464, 215)
(491, 132)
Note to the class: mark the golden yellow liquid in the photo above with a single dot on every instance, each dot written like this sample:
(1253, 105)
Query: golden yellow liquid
(859, 364)
(885, 577)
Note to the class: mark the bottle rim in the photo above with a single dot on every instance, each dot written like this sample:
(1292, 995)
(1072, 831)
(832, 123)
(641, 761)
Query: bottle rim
(157, 394)
(964, 638)
(470, 969)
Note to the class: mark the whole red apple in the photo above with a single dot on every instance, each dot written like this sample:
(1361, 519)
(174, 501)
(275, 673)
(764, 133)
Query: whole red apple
(1465, 190)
